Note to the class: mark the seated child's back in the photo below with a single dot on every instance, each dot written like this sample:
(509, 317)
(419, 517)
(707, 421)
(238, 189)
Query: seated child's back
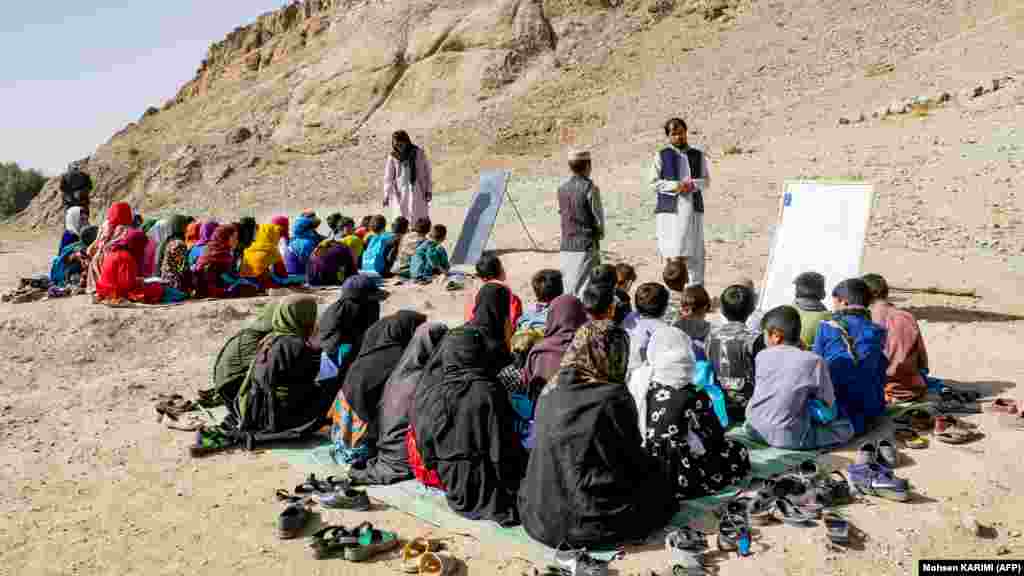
(730, 350)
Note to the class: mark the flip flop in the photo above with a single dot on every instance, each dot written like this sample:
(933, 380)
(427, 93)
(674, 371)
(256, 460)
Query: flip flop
(945, 422)
(911, 439)
(965, 396)
(1003, 406)
(331, 541)
(887, 454)
(792, 514)
(292, 520)
(837, 528)
(955, 436)
(952, 403)
(412, 552)
(370, 543)
(434, 564)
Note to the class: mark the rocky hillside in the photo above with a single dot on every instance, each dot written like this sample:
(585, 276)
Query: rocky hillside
(301, 102)
(296, 108)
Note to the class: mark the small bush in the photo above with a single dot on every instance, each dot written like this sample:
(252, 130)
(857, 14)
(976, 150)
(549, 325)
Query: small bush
(18, 187)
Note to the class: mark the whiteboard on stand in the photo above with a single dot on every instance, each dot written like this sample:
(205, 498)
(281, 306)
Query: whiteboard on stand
(822, 228)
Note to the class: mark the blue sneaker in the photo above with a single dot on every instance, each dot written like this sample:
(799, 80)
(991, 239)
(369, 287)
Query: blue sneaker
(877, 480)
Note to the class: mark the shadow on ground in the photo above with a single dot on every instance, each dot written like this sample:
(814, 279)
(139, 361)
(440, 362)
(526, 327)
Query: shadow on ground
(959, 315)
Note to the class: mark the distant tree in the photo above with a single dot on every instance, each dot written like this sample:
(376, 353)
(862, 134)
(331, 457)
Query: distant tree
(18, 187)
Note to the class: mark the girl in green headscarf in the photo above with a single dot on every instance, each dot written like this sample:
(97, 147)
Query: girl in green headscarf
(279, 391)
(234, 359)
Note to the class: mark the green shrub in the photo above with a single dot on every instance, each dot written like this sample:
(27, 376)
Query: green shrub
(18, 187)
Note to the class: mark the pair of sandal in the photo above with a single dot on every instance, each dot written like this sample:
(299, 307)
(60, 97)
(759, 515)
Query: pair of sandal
(172, 406)
(686, 547)
(335, 493)
(882, 452)
(356, 545)
(420, 556)
(952, 430)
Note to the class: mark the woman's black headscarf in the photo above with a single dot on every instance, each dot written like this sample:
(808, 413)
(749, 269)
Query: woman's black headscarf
(491, 316)
(347, 319)
(246, 232)
(382, 348)
(404, 151)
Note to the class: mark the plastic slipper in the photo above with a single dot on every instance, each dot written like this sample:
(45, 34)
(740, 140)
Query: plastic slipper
(887, 454)
(945, 422)
(370, 543)
(965, 396)
(576, 562)
(791, 514)
(867, 454)
(434, 564)
(911, 439)
(210, 441)
(686, 547)
(951, 402)
(1003, 406)
(344, 499)
(412, 552)
(331, 541)
(837, 528)
(292, 520)
(877, 480)
(955, 436)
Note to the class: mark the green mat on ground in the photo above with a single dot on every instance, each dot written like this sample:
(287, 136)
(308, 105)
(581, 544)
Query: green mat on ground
(430, 506)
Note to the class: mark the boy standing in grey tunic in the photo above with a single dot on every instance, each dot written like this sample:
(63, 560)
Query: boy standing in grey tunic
(582, 218)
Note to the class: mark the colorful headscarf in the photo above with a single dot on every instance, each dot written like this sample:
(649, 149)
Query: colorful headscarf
(282, 223)
(263, 253)
(192, 234)
(295, 316)
(218, 250)
(73, 220)
(176, 226)
(599, 353)
(565, 316)
(304, 237)
(206, 231)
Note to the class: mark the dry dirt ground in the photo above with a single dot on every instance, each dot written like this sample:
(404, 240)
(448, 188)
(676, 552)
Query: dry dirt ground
(93, 485)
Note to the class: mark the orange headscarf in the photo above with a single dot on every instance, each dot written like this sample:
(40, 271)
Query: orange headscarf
(192, 233)
(263, 253)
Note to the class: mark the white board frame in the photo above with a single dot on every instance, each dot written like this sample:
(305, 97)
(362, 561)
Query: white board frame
(779, 291)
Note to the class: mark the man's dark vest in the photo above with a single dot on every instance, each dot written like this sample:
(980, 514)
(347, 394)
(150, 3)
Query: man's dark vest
(670, 171)
(579, 228)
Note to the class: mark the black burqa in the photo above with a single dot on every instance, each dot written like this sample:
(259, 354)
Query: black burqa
(590, 483)
(391, 463)
(346, 321)
(383, 346)
(464, 422)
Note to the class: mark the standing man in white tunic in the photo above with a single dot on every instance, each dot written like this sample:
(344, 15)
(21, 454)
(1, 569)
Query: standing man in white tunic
(408, 187)
(679, 179)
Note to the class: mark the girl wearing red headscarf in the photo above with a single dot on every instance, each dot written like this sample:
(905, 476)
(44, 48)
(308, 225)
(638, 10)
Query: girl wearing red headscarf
(119, 214)
(120, 279)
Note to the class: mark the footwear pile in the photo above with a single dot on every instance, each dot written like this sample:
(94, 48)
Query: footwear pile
(355, 545)
(575, 562)
(687, 547)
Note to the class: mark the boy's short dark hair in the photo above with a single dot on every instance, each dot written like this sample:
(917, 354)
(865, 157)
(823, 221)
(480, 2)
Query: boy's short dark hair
(547, 285)
(604, 275)
(785, 319)
(378, 223)
(334, 221)
(422, 226)
(737, 303)
(651, 300)
(673, 122)
(696, 298)
(854, 290)
(438, 232)
(810, 285)
(366, 222)
(400, 225)
(625, 274)
(489, 267)
(878, 286)
(675, 275)
(598, 298)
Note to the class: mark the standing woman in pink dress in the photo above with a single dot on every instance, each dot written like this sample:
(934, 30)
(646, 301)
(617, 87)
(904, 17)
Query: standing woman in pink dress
(408, 188)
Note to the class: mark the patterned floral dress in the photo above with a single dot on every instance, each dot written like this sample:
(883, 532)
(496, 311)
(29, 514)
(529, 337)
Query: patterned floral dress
(683, 431)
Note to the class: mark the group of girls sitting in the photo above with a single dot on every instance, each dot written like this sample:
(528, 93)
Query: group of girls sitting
(410, 398)
(128, 258)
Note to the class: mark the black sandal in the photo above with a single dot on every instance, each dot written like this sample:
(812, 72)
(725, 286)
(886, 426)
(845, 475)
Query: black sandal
(332, 541)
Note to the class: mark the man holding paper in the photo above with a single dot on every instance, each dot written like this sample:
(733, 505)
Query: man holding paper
(679, 178)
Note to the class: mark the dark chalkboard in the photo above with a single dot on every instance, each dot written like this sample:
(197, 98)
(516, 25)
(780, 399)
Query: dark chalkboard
(479, 223)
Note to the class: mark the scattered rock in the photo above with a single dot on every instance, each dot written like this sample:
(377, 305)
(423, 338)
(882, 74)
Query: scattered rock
(239, 135)
(978, 92)
(844, 121)
(1014, 534)
(1002, 551)
(970, 524)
